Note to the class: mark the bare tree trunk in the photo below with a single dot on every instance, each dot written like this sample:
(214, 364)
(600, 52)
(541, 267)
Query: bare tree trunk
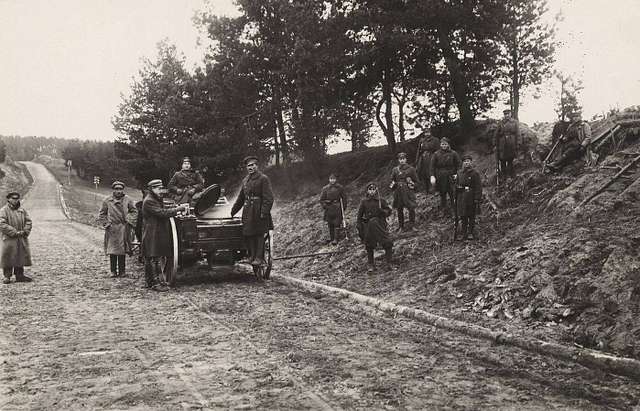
(515, 85)
(276, 146)
(387, 125)
(284, 146)
(458, 82)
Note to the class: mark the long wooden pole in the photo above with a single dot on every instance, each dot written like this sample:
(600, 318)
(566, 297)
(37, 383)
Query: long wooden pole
(608, 183)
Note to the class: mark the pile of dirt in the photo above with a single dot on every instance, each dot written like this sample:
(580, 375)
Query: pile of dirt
(543, 266)
(14, 177)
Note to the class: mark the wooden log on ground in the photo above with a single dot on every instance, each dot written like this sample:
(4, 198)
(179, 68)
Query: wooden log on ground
(589, 358)
(608, 183)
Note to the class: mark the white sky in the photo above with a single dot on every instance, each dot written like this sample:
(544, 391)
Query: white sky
(64, 63)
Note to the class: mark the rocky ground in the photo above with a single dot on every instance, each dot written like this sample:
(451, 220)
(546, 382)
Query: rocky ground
(543, 267)
(76, 339)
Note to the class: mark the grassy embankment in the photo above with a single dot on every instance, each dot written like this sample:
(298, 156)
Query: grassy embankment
(16, 178)
(81, 197)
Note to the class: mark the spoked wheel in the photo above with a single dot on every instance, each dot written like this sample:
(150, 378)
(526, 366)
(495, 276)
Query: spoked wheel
(170, 265)
(268, 258)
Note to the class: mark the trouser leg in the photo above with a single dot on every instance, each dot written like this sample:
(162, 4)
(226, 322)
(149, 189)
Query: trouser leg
(149, 271)
(370, 256)
(388, 254)
(510, 170)
(255, 244)
(121, 264)
(400, 211)
(465, 227)
(332, 231)
(113, 260)
(472, 225)
(7, 272)
(412, 216)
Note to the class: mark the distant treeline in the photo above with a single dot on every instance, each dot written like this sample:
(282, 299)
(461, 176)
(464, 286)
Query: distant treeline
(88, 158)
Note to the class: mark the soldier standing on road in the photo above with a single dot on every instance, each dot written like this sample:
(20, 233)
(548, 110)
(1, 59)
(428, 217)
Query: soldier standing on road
(255, 199)
(186, 184)
(468, 197)
(118, 216)
(15, 226)
(576, 140)
(444, 165)
(428, 146)
(403, 183)
(156, 233)
(334, 202)
(372, 224)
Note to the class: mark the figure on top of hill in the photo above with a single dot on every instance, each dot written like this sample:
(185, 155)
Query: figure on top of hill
(372, 224)
(15, 226)
(575, 141)
(404, 181)
(468, 198)
(186, 184)
(334, 202)
(444, 165)
(118, 215)
(507, 138)
(427, 146)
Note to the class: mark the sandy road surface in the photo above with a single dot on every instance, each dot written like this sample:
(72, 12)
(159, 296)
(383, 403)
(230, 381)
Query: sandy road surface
(76, 339)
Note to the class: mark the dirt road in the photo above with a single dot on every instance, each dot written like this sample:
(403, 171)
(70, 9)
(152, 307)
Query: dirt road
(76, 339)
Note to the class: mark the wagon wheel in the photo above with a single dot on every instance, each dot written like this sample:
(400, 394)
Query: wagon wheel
(170, 268)
(268, 258)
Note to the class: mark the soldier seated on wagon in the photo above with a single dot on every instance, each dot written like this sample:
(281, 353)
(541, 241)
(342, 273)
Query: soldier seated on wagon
(187, 184)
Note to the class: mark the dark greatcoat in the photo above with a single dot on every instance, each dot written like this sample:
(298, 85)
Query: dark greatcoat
(444, 164)
(15, 250)
(405, 181)
(185, 184)
(428, 146)
(330, 201)
(156, 233)
(119, 217)
(255, 199)
(507, 138)
(372, 222)
(468, 192)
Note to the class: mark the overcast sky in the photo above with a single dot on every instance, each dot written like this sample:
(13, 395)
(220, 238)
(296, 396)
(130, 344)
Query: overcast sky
(64, 63)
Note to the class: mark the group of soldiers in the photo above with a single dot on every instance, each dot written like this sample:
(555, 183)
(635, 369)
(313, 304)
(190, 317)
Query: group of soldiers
(149, 218)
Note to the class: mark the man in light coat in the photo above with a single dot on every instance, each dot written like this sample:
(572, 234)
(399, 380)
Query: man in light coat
(15, 226)
(118, 216)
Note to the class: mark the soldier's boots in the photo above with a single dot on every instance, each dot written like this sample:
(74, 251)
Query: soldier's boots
(6, 280)
(370, 260)
(388, 255)
(23, 279)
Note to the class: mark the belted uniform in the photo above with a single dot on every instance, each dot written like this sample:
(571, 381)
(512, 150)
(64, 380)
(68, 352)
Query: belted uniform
(507, 138)
(468, 197)
(372, 225)
(428, 146)
(185, 184)
(445, 164)
(330, 200)
(255, 199)
(404, 180)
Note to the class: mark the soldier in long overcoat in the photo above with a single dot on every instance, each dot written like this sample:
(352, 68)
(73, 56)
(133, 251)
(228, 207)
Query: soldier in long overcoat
(255, 199)
(404, 181)
(507, 138)
(372, 224)
(468, 197)
(575, 141)
(156, 233)
(118, 216)
(428, 146)
(186, 184)
(444, 165)
(333, 201)
(15, 226)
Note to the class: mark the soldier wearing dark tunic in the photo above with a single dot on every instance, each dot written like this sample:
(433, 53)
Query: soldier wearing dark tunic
(403, 183)
(468, 197)
(255, 199)
(186, 184)
(156, 233)
(372, 224)
(118, 216)
(444, 165)
(15, 227)
(507, 137)
(428, 146)
(574, 142)
(334, 202)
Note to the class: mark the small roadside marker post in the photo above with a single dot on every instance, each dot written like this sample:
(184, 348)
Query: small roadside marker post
(96, 182)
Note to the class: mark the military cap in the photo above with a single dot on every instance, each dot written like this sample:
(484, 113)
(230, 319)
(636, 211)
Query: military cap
(186, 159)
(506, 110)
(333, 175)
(467, 157)
(115, 184)
(13, 194)
(445, 140)
(247, 159)
(402, 155)
(372, 184)
(154, 183)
